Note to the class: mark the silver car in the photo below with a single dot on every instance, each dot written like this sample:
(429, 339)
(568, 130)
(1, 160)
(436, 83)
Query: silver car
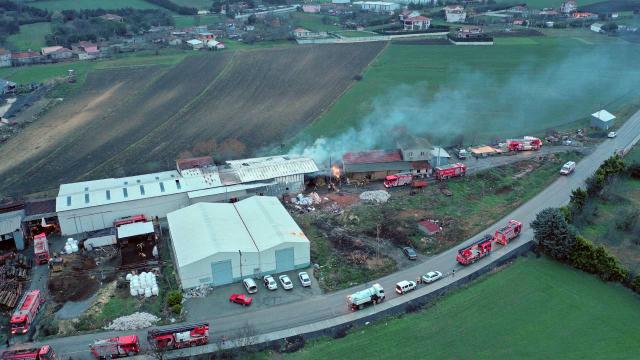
(431, 277)
(269, 282)
(305, 280)
(286, 282)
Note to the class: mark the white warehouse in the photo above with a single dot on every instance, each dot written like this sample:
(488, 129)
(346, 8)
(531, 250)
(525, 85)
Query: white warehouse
(94, 205)
(225, 242)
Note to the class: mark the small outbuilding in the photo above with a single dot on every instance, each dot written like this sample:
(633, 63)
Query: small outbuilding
(221, 243)
(11, 234)
(602, 120)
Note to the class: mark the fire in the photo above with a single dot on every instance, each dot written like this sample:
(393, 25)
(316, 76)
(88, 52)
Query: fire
(335, 170)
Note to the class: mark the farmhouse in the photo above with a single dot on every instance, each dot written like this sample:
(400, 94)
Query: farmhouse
(377, 6)
(602, 120)
(60, 54)
(374, 164)
(218, 244)
(301, 32)
(195, 44)
(25, 58)
(94, 205)
(86, 50)
(455, 13)
(5, 58)
(405, 14)
(214, 44)
(416, 23)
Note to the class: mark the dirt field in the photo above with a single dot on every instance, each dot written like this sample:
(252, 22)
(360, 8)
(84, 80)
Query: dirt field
(135, 120)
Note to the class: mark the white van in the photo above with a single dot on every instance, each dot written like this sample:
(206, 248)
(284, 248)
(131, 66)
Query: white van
(568, 168)
(250, 285)
(405, 286)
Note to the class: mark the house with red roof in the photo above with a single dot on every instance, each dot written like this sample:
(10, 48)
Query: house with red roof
(26, 58)
(416, 23)
(86, 50)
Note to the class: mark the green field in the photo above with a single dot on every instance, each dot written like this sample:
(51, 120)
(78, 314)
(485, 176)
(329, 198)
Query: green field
(539, 4)
(519, 86)
(31, 36)
(534, 309)
(182, 21)
(355, 33)
(58, 5)
(199, 4)
(313, 22)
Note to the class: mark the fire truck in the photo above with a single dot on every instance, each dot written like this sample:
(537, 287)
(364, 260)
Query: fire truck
(524, 144)
(449, 171)
(129, 220)
(179, 337)
(26, 312)
(41, 248)
(398, 180)
(483, 247)
(119, 346)
(42, 353)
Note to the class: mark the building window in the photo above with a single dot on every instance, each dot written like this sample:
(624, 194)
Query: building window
(161, 187)
(68, 200)
(141, 189)
(126, 183)
(138, 181)
(108, 194)
(86, 198)
(157, 178)
(421, 153)
(86, 189)
(125, 193)
(178, 184)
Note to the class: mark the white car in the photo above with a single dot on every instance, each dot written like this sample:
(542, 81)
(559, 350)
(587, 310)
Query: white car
(405, 286)
(305, 280)
(431, 276)
(286, 282)
(612, 134)
(250, 285)
(269, 282)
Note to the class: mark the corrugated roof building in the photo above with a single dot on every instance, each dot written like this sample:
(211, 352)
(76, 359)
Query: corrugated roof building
(222, 243)
(374, 164)
(11, 229)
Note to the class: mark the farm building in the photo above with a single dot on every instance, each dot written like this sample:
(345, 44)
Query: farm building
(455, 13)
(11, 234)
(5, 58)
(374, 164)
(94, 205)
(429, 227)
(602, 119)
(222, 243)
(439, 156)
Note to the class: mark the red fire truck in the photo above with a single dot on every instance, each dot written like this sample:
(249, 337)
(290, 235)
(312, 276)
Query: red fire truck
(524, 144)
(179, 337)
(119, 346)
(41, 248)
(129, 220)
(26, 312)
(482, 248)
(398, 180)
(449, 171)
(42, 353)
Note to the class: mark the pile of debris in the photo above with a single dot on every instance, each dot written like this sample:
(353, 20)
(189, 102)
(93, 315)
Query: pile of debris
(377, 196)
(197, 292)
(312, 199)
(137, 320)
(13, 272)
(10, 292)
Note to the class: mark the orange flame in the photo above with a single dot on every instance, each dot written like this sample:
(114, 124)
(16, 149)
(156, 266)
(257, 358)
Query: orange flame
(335, 170)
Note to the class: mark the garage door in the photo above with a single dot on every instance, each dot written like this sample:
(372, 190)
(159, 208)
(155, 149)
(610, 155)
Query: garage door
(90, 222)
(222, 272)
(284, 260)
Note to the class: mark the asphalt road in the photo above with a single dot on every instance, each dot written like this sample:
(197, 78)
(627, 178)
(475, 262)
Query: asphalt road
(323, 307)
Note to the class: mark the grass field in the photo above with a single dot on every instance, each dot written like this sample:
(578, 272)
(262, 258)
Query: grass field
(199, 4)
(182, 21)
(313, 22)
(539, 4)
(518, 86)
(58, 5)
(31, 36)
(356, 33)
(533, 309)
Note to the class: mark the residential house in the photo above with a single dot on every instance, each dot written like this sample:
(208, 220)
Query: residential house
(6, 86)
(405, 14)
(301, 33)
(568, 7)
(416, 23)
(584, 15)
(174, 40)
(86, 50)
(549, 12)
(377, 6)
(311, 8)
(206, 36)
(112, 17)
(215, 45)
(195, 44)
(597, 27)
(57, 53)
(455, 13)
(45, 51)
(5, 58)
(418, 2)
(518, 9)
(26, 58)
(418, 158)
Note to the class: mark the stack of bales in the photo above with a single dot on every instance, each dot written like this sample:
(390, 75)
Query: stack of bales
(71, 246)
(143, 285)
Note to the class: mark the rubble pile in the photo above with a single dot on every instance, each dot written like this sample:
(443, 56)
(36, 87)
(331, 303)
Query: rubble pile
(137, 320)
(378, 196)
(312, 199)
(197, 292)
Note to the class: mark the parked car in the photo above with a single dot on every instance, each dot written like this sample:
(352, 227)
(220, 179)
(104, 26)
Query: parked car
(431, 276)
(405, 286)
(612, 134)
(409, 252)
(305, 280)
(286, 282)
(270, 283)
(241, 299)
(250, 285)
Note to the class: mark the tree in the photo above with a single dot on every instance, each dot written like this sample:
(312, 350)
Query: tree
(251, 20)
(553, 233)
(578, 198)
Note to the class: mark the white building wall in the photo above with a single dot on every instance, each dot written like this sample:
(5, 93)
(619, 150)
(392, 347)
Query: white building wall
(101, 217)
(199, 272)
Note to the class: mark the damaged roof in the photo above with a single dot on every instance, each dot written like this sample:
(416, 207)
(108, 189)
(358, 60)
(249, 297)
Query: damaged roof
(373, 156)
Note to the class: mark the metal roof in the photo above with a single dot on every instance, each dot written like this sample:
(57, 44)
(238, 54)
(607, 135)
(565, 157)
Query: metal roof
(227, 189)
(10, 222)
(603, 115)
(264, 168)
(439, 152)
(373, 156)
(139, 228)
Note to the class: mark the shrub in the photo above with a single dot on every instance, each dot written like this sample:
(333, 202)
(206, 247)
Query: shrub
(635, 284)
(595, 259)
(177, 309)
(553, 233)
(174, 298)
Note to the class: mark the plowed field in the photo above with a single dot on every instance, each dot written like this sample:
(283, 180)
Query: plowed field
(134, 120)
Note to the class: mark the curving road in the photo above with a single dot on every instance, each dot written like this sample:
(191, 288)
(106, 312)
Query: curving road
(329, 309)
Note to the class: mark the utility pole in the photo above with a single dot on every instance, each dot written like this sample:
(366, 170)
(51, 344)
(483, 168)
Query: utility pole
(378, 243)
(240, 253)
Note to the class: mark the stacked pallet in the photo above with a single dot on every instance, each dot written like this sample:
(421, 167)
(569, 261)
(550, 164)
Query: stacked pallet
(10, 292)
(14, 271)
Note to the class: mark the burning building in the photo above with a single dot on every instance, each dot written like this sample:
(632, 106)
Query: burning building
(374, 164)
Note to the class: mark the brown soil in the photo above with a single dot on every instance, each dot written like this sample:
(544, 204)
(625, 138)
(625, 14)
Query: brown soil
(343, 199)
(75, 282)
(136, 120)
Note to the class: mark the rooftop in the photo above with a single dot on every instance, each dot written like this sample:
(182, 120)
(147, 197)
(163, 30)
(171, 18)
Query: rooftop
(373, 156)
(603, 115)
(258, 169)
